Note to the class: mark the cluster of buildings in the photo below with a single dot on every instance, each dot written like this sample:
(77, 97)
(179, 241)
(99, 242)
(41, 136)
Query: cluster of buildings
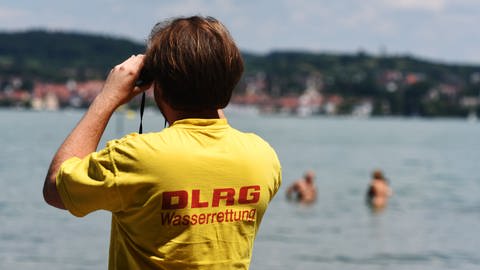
(72, 94)
(50, 96)
(311, 100)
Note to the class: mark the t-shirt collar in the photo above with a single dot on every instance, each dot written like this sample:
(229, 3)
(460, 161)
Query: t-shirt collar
(201, 123)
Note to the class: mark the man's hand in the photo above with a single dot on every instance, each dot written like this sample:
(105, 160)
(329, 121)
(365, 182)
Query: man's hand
(120, 86)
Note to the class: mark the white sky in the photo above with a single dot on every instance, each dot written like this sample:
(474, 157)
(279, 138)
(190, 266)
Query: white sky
(440, 30)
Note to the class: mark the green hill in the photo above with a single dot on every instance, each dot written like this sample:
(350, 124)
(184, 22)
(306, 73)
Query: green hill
(395, 84)
(57, 56)
(355, 74)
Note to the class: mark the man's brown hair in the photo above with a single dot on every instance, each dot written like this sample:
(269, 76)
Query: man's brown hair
(195, 62)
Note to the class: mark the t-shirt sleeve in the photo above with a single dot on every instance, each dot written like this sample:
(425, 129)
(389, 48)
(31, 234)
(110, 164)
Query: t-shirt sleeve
(276, 175)
(88, 184)
(277, 179)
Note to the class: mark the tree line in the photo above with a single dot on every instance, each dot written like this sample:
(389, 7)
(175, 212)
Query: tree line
(39, 55)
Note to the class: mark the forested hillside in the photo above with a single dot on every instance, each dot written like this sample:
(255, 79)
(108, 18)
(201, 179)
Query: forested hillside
(57, 56)
(391, 84)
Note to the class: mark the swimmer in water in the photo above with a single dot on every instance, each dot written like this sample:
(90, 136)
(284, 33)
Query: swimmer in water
(304, 188)
(378, 191)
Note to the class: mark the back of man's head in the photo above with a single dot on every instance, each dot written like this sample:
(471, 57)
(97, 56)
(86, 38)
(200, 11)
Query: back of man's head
(195, 63)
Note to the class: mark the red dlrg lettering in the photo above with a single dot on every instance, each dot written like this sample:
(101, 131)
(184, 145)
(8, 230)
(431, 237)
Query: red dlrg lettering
(180, 199)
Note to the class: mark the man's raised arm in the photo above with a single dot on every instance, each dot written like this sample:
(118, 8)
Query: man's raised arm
(119, 88)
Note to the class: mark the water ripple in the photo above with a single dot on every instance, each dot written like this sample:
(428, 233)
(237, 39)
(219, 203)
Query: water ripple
(397, 258)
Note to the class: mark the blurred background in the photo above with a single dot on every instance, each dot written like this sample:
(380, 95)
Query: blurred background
(337, 87)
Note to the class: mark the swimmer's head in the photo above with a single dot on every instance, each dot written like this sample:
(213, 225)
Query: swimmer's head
(309, 176)
(378, 174)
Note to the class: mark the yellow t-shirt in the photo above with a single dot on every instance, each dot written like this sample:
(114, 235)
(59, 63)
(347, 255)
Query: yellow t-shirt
(189, 197)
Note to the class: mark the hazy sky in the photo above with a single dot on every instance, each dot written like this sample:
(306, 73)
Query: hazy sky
(444, 30)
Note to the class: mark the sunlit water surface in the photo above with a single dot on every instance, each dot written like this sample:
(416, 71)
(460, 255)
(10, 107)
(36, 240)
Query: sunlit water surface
(432, 221)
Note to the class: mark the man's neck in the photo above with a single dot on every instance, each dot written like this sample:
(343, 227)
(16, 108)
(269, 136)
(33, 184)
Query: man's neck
(175, 115)
(207, 114)
(172, 115)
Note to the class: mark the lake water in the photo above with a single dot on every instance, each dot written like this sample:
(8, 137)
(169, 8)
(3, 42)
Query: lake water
(432, 221)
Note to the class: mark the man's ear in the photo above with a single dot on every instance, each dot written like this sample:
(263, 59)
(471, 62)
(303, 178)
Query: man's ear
(221, 115)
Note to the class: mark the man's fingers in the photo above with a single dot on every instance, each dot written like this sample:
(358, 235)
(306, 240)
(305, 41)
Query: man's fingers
(137, 59)
(133, 61)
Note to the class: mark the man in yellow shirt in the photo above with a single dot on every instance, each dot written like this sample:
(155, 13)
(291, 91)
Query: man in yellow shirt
(191, 196)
